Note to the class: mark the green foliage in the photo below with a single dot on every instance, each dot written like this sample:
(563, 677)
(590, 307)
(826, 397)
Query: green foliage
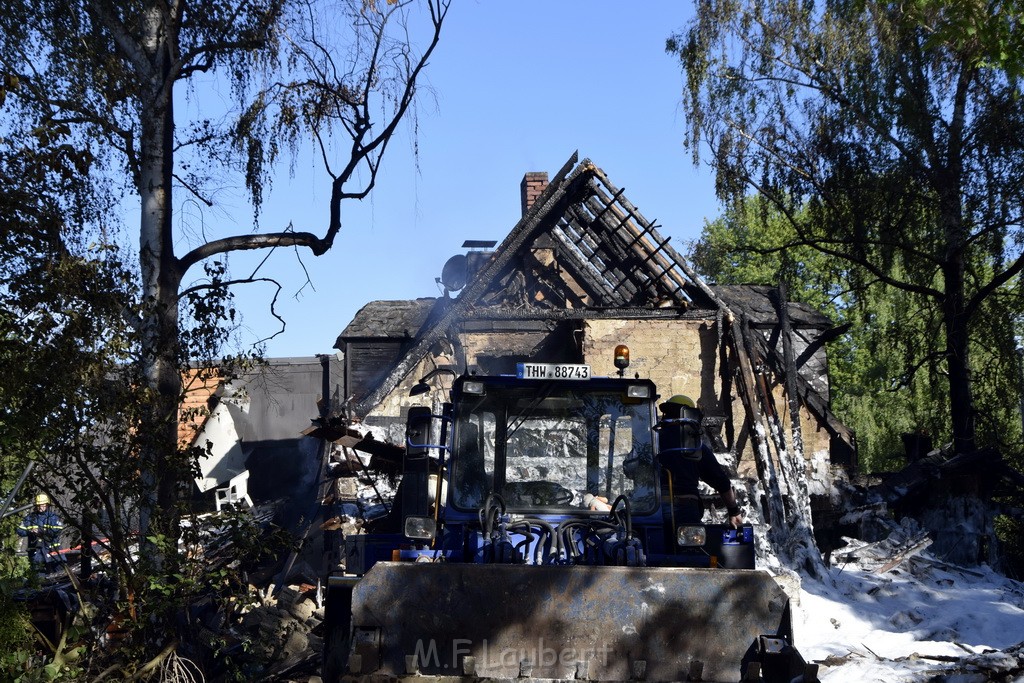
(15, 629)
(886, 372)
(878, 387)
(890, 137)
(991, 31)
(26, 656)
(1010, 529)
(98, 328)
(881, 389)
(752, 243)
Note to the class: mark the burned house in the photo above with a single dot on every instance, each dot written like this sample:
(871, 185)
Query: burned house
(580, 273)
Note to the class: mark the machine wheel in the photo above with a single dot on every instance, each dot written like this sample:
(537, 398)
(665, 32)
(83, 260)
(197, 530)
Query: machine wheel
(337, 633)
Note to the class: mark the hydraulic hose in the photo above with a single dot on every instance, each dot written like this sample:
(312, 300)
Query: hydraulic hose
(628, 516)
(590, 527)
(493, 507)
(553, 541)
(523, 527)
(528, 533)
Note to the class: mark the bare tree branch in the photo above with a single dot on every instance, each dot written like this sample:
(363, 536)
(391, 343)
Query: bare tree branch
(363, 153)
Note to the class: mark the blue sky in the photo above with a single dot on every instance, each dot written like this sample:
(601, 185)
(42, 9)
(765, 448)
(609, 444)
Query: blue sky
(515, 87)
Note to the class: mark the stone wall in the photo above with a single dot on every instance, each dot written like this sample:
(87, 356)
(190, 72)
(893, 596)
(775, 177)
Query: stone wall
(680, 356)
(683, 357)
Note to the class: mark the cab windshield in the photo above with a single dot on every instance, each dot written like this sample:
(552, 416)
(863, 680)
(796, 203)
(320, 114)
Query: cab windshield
(546, 446)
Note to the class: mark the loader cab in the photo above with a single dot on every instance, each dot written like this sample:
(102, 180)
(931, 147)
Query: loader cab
(518, 461)
(551, 445)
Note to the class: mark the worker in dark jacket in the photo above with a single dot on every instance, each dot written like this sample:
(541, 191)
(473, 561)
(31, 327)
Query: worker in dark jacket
(686, 460)
(43, 527)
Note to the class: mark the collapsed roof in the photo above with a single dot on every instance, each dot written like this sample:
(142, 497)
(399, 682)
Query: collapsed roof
(590, 252)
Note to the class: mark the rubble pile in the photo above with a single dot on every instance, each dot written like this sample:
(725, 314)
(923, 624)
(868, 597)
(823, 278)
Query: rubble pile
(277, 634)
(996, 665)
(905, 539)
(282, 633)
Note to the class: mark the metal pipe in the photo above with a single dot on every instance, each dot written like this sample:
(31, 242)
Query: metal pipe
(15, 511)
(6, 511)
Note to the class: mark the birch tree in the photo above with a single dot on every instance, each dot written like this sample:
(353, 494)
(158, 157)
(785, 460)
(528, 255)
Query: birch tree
(890, 135)
(122, 93)
(878, 384)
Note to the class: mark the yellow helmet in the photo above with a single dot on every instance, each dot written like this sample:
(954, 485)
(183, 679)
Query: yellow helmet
(682, 400)
(42, 499)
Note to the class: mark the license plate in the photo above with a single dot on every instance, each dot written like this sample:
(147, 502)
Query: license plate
(552, 371)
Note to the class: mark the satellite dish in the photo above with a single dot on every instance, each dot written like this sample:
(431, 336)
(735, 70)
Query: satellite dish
(455, 273)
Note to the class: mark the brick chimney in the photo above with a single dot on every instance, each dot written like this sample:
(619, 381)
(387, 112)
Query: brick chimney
(533, 184)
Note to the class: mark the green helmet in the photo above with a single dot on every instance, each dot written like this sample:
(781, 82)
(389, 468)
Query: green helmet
(682, 400)
(678, 402)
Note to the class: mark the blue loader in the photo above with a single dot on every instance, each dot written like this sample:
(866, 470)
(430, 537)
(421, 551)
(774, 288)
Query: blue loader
(534, 536)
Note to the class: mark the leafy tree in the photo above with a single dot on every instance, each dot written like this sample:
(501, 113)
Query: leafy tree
(63, 339)
(877, 384)
(92, 113)
(750, 243)
(900, 137)
(990, 31)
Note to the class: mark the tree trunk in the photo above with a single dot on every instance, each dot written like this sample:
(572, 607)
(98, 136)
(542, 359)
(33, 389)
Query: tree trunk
(162, 473)
(948, 179)
(955, 320)
(961, 396)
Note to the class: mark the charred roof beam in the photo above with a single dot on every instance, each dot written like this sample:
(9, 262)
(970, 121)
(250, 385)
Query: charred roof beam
(589, 273)
(615, 264)
(633, 235)
(686, 287)
(632, 275)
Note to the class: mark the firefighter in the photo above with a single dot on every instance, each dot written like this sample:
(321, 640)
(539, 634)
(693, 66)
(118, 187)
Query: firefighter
(43, 527)
(687, 460)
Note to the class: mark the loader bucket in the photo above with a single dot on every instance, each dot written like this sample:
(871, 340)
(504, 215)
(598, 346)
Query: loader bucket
(569, 622)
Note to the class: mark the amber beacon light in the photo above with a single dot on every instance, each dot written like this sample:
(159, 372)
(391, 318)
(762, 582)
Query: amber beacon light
(621, 357)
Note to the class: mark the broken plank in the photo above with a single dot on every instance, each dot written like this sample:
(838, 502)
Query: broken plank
(904, 554)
